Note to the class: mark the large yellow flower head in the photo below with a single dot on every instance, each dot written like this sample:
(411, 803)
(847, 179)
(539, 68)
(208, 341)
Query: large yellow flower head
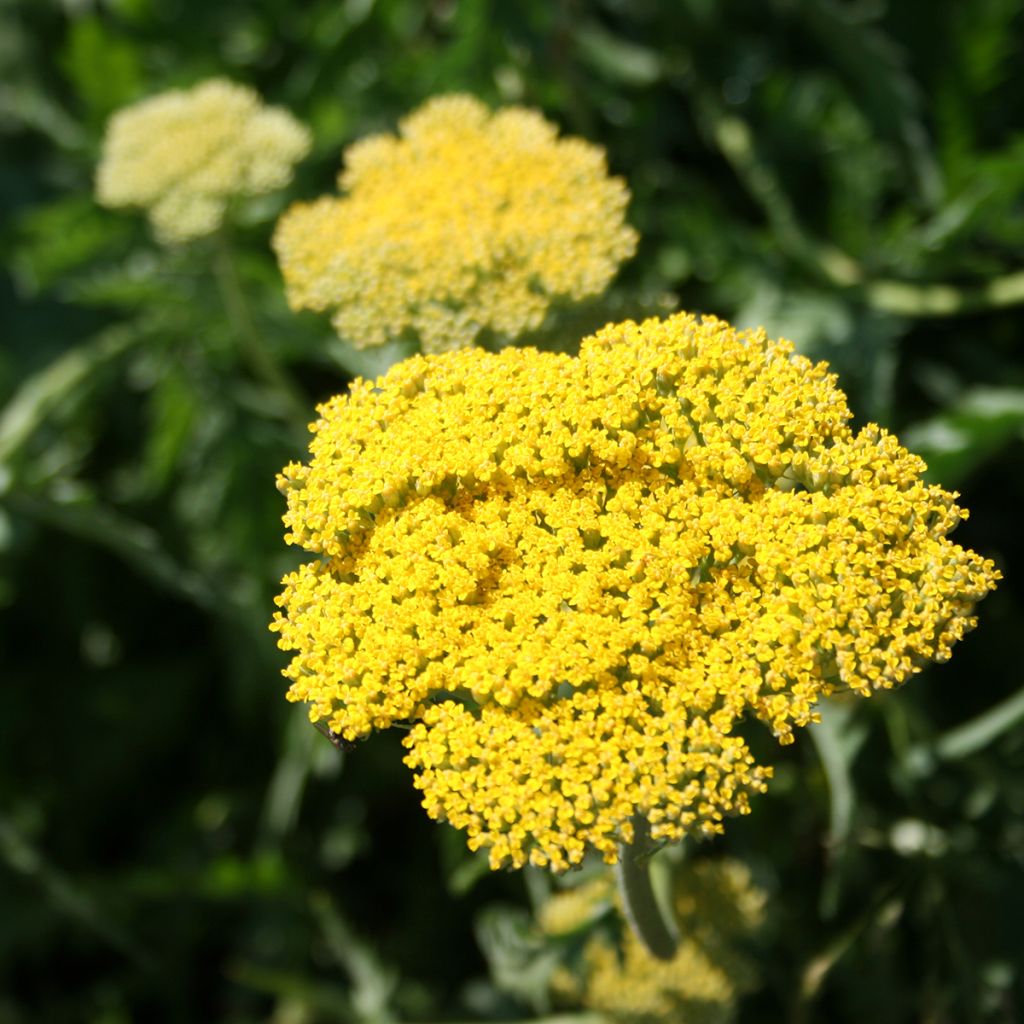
(465, 222)
(576, 575)
(182, 155)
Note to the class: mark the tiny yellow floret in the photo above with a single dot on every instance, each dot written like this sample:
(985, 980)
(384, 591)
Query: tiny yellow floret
(466, 222)
(575, 576)
(184, 154)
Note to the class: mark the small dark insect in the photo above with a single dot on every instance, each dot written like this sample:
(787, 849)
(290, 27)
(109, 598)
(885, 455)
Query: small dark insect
(335, 738)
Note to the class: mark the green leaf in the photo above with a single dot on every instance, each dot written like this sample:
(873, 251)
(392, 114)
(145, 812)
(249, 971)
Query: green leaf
(65, 235)
(618, 59)
(521, 962)
(838, 738)
(66, 894)
(23, 105)
(283, 799)
(373, 984)
(294, 989)
(969, 738)
(886, 908)
(877, 71)
(468, 872)
(954, 443)
(103, 67)
(139, 545)
(144, 280)
(55, 386)
(369, 363)
(174, 409)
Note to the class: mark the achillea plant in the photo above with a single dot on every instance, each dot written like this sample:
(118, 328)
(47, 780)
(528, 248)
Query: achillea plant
(717, 907)
(184, 154)
(465, 222)
(575, 576)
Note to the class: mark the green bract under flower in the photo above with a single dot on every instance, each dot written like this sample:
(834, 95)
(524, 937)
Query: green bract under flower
(575, 576)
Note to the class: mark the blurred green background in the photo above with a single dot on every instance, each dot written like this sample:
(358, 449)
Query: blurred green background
(176, 843)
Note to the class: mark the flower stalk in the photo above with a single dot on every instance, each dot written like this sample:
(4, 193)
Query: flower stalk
(251, 345)
(651, 926)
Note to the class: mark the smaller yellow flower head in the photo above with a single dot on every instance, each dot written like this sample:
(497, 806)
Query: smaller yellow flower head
(716, 906)
(182, 155)
(467, 221)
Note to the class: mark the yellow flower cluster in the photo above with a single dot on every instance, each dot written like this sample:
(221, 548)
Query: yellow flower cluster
(578, 907)
(576, 575)
(182, 155)
(716, 904)
(466, 222)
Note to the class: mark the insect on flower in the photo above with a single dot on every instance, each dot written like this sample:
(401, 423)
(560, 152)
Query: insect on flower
(344, 745)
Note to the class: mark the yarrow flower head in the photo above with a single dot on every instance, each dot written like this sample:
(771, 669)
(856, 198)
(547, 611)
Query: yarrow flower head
(717, 906)
(575, 576)
(465, 222)
(183, 155)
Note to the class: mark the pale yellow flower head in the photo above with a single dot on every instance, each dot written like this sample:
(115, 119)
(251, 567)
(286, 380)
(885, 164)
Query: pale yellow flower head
(575, 576)
(182, 155)
(465, 222)
(716, 906)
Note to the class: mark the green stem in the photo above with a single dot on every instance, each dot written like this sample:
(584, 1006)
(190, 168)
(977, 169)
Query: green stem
(908, 299)
(632, 873)
(974, 735)
(134, 542)
(735, 141)
(251, 344)
(66, 894)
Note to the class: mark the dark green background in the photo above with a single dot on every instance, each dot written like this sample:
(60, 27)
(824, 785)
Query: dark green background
(176, 844)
